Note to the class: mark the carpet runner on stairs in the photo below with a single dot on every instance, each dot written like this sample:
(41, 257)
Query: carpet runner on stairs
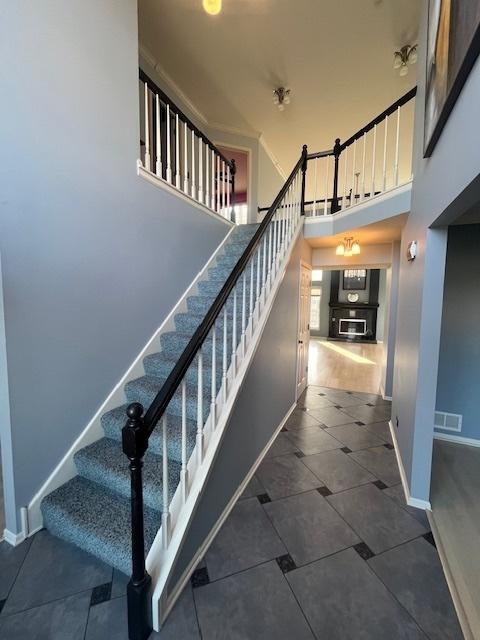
(92, 510)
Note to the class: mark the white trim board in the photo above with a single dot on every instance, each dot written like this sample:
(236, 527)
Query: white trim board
(471, 442)
(14, 539)
(202, 550)
(411, 501)
(66, 470)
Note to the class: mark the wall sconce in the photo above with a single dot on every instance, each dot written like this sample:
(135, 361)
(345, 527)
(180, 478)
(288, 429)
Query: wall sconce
(349, 247)
(281, 97)
(407, 55)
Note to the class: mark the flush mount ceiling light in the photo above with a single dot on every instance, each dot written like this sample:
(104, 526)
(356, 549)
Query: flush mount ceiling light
(349, 247)
(407, 55)
(281, 97)
(212, 7)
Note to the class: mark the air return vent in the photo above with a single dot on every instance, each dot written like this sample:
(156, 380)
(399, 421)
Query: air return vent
(448, 421)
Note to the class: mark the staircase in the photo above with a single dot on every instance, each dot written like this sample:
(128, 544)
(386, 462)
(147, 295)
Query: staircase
(92, 510)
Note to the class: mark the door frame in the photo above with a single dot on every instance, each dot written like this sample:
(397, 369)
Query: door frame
(303, 265)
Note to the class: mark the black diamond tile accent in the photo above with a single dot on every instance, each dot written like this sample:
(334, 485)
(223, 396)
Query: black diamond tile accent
(388, 446)
(101, 593)
(337, 406)
(286, 563)
(321, 394)
(379, 484)
(350, 393)
(363, 550)
(263, 498)
(200, 578)
(428, 537)
(284, 429)
(360, 424)
(2, 602)
(299, 454)
(369, 404)
(346, 450)
(324, 491)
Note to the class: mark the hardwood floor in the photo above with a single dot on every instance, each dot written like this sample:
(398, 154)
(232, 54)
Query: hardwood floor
(345, 365)
(456, 525)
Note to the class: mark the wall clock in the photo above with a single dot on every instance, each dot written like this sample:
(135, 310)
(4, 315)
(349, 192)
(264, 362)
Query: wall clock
(352, 297)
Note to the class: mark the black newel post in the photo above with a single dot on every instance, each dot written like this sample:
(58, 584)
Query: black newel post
(233, 171)
(337, 150)
(135, 444)
(304, 171)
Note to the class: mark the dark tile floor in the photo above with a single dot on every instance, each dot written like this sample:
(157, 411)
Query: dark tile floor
(320, 546)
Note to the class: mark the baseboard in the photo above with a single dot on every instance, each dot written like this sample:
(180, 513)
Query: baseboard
(202, 550)
(411, 501)
(471, 442)
(13, 539)
(457, 600)
(66, 470)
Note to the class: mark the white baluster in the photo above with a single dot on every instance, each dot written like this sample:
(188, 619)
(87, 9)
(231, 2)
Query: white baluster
(223, 189)
(315, 163)
(244, 311)
(225, 355)
(184, 471)
(158, 144)
(199, 441)
(271, 228)
(213, 181)
(397, 148)
(185, 158)
(169, 149)
(200, 170)
(384, 181)
(352, 196)
(229, 211)
(344, 199)
(250, 307)
(207, 179)
(194, 189)
(362, 194)
(147, 130)
(374, 160)
(325, 204)
(177, 152)
(257, 296)
(166, 497)
(213, 401)
(264, 269)
(234, 333)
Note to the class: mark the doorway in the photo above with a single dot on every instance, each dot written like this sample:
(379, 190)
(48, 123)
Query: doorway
(303, 327)
(242, 181)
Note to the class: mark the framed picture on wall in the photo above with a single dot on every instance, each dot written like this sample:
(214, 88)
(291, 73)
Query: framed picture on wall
(354, 279)
(453, 45)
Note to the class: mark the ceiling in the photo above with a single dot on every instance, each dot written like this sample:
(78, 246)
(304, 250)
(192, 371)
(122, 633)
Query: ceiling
(382, 232)
(336, 56)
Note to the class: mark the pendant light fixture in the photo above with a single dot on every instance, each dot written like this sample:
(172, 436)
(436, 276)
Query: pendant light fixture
(349, 247)
(212, 7)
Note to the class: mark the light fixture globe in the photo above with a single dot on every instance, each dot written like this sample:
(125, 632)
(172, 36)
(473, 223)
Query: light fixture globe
(340, 250)
(355, 248)
(212, 7)
(403, 70)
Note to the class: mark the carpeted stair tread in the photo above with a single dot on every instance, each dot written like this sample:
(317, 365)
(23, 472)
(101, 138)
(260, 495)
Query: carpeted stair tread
(105, 463)
(113, 422)
(161, 364)
(96, 520)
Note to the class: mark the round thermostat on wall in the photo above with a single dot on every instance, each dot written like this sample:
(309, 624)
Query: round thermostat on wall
(352, 297)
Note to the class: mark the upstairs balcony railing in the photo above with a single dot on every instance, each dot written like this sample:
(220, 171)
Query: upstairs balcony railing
(175, 151)
(375, 160)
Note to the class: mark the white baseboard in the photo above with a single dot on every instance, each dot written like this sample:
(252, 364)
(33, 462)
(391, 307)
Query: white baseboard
(13, 539)
(66, 470)
(471, 442)
(411, 501)
(202, 550)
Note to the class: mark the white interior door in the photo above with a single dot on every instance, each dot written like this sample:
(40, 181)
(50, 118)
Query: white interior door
(303, 327)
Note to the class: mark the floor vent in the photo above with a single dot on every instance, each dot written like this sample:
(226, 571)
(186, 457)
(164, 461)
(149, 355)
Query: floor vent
(448, 421)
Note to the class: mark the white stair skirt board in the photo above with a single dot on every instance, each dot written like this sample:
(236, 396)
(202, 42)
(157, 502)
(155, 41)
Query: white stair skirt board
(14, 539)
(202, 550)
(457, 601)
(65, 470)
(470, 442)
(160, 561)
(411, 501)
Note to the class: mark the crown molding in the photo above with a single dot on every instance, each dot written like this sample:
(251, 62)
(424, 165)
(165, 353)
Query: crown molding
(217, 126)
(170, 82)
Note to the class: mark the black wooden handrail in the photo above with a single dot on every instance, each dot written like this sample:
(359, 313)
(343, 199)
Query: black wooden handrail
(156, 89)
(388, 112)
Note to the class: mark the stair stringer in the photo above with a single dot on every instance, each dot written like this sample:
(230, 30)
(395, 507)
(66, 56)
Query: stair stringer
(160, 561)
(66, 469)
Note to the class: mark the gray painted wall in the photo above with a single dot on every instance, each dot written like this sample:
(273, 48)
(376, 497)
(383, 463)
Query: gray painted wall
(267, 394)
(93, 256)
(390, 324)
(459, 366)
(438, 183)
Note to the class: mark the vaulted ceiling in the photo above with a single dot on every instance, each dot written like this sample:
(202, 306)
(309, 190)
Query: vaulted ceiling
(335, 55)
